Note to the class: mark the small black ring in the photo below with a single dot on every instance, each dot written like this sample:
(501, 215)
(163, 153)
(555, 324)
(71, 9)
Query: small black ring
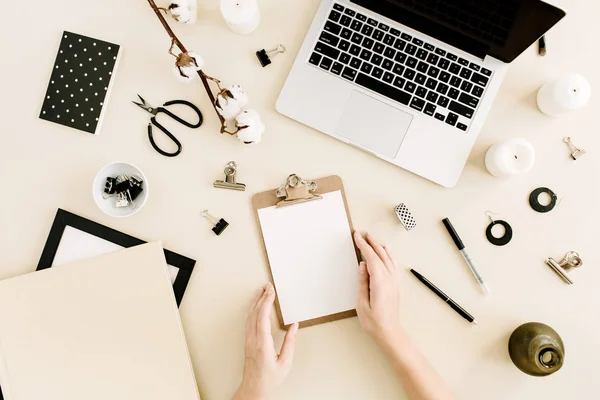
(508, 233)
(535, 203)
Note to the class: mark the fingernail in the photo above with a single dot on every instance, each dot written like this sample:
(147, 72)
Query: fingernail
(358, 235)
(362, 267)
(294, 328)
(268, 287)
(261, 290)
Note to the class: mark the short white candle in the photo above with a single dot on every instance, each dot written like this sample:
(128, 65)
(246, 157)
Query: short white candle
(510, 157)
(242, 16)
(563, 95)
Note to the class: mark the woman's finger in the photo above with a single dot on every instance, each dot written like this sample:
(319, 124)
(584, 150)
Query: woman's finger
(389, 253)
(265, 306)
(363, 302)
(286, 356)
(368, 253)
(380, 251)
(252, 313)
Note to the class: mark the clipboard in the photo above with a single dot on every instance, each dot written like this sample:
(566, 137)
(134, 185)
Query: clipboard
(295, 192)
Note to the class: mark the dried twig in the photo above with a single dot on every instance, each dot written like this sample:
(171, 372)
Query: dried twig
(203, 77)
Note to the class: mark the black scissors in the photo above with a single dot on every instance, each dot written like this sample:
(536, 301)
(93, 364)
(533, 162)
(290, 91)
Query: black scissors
(158, 110)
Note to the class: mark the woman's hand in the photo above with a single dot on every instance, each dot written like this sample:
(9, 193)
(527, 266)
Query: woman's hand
(378, 305)
(264, 369)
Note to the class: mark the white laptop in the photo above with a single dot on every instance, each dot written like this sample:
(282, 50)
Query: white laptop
(410, 81)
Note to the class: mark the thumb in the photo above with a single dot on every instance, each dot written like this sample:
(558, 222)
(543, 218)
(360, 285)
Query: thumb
(363, 301)
(286, 356)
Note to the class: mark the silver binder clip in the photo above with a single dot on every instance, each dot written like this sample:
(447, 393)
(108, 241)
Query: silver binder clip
(575, 152)
(562, 268)
(230, 178)
(297, 190)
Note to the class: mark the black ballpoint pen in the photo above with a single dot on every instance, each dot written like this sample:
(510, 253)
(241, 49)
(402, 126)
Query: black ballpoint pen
(463, 313)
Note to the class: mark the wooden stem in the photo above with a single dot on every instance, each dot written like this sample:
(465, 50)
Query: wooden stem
(201, 74)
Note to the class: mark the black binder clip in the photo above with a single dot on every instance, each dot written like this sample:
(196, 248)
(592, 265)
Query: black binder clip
(220, 224)
(264, 56)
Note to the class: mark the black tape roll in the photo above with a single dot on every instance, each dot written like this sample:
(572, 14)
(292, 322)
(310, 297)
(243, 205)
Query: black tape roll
(535, 204)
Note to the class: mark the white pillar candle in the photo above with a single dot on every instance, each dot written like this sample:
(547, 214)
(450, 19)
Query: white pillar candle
(564, 95)
(242, 16)
(510, 157)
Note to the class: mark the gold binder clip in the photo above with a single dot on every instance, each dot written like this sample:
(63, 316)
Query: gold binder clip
(230, 178)
(571, 260)
(297, 190)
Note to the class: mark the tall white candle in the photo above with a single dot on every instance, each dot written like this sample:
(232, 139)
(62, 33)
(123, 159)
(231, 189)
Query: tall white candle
(242, 16)
(563, 95)
(510, 157)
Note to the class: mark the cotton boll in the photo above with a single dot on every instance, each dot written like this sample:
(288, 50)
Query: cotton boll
(228, 107)
(239, 95)
(250, 127)
(198, 60)
(184, 11)
(187, 65)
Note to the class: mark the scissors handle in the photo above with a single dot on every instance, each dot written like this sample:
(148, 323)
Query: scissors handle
(176, 118)
(169, 135)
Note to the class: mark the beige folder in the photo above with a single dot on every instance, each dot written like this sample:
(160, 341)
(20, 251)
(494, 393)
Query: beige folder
(102, 328)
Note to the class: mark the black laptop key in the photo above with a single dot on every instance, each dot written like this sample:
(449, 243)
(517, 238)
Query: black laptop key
(440, 52)
(368, 43)
(417, 104)
(350, 12)
(338, 7)
(357, 38)
(477, 91)
(451, 119)
(433, 72)
(344, 45)
(463, 61)
(345, 58)
(378, 35)
(383, 89)
(389, 39)
(389, 52)
(388, 77)
(422, 54)
(327, 50)
(326, 63)
(439, 116)
(474, 66)
(365, 54)
(384, 27)
(444, 77)
(465, 73)
(442, 88)
(379, 48)
(372, 22)
(443, 101)
(410, 87)
(395, 32)
(334, 16)
(387, 64)
(315, 59)
(398, 69)
(367, 30)
(400, 57)
(455, 68)
(420, 79)
(399, 82)
(430, 109)
(355, 63)
(361, 17)
(453, 93)
(409, 73)
(354, 50)
(455, 81)
(406, 36)
(399, 44)
(479, 79)
(431, 83)
(366, 68)
(451, 56)
(461, 109)
(412, 62)
(345, 20)
(337, 68)
(333, 27)
(411, 49)
(486, 72)
(432, 96)
(468, 100)
(429, 47)
(377, 59)
(432, 58)
(346, 33)
(328, 38)
(462, 127)
(418, 42)
(377, 72)
(421, 92)
(422, 66)
(356, 25)
(443, 63)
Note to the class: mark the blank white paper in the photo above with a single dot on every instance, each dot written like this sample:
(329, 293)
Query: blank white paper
(312, 257)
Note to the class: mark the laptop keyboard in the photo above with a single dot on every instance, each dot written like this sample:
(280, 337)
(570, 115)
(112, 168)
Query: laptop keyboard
(399, 66)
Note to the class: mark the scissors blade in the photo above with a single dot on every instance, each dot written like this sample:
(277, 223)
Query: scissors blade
(144, 105)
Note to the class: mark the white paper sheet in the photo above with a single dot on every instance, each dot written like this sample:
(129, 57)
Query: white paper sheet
(312, 257)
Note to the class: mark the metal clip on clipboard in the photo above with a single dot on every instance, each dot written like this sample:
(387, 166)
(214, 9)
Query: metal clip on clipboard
(296, 190)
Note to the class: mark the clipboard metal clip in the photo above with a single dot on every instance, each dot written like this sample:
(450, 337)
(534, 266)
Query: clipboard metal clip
(297, 190)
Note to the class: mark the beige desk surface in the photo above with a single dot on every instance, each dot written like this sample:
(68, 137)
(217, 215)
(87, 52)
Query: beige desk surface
(46, 166)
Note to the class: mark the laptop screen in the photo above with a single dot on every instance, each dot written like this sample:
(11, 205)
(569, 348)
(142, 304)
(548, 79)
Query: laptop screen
(502, 29)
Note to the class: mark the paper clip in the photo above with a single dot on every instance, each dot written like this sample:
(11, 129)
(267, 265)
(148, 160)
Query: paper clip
(575, 152)
(219, 224)
(230, 181)
(264, 56)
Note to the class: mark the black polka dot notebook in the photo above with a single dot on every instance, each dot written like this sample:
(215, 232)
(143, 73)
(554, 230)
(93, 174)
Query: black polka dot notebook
(80, 83)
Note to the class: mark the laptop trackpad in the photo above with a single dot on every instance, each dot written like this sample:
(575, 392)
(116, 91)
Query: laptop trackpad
(374, 125)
